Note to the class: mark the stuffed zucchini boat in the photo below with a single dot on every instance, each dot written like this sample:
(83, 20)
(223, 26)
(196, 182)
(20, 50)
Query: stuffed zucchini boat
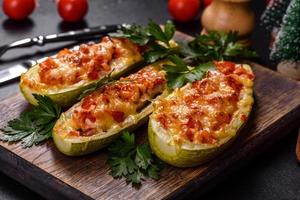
(64, 76)
(97, 119)
(196, 122)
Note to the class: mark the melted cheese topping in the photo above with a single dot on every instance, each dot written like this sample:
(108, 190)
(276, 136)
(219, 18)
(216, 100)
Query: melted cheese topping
(201, 111)
(113, 103)
(89, 63)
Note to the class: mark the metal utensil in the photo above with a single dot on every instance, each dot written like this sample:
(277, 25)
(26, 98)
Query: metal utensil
(15, 71)
(60, 37)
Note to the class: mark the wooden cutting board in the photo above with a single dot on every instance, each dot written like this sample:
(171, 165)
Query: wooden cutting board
(55, 176)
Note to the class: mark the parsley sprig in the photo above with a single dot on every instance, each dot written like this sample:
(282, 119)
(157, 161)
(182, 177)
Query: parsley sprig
(180, 73)
(132, 161)
(33, 126)
(153, 37)
(216, 46)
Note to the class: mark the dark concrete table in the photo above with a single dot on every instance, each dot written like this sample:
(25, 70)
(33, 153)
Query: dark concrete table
(273, 175)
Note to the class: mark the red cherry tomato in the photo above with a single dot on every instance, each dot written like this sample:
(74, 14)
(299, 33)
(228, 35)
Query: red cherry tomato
(18, 9)
(184, 10)
(72, 10)
(207, 3)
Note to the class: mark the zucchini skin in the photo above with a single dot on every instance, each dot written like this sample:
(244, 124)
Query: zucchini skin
(190, 156)
(67, 97)
(180, 157)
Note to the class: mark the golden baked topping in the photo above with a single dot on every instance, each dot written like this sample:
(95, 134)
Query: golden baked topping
(200, 111)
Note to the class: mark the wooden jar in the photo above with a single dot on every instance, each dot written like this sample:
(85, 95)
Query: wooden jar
(226, 15)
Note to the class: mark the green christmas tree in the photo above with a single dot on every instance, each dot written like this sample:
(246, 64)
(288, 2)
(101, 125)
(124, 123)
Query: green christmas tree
(287, 43)
(272, 16)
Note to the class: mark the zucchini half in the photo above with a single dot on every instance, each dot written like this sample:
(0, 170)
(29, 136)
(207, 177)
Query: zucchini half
(187, 153)
(67, 95)
(80, 145)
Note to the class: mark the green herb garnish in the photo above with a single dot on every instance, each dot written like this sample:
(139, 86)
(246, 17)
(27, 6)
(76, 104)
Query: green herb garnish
(33, 126)
(216, 46)
(134, 33)
(156, 39)
(132, 161)
(180, 73)
(158, 34)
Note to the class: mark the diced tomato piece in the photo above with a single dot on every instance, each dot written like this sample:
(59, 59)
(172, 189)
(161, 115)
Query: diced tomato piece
(84, 48)
(117, 53)
(101, 62)
(163, 120)
(87, 103)
(91, 117)
(93, 75)
(244, 117)
(223, 117)
(189, 135)
(118, 116)
(87, 115)
(63, 52)
(48, 64)
(74, 133)
(159, 81)
(207, 138)
(105, 98)
(225, 67)
(128, 92)
(233, 98)
(83, 116)
(234, 84)
(192, 123)
(243, 72)
(214, 100)
(205, 86)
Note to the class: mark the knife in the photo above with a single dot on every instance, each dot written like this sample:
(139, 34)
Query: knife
(61, 37)
(15, 71)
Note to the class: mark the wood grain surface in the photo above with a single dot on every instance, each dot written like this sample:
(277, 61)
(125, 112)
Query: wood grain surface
(55, 176)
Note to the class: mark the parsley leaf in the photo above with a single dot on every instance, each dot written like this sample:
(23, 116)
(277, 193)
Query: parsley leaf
(169, 30)
(143, 156)
(179, 74)
(165, 36)
(132, 161)
(134, 33)
(155, 52)
(33, 126)
(153, 37)
(216, 46)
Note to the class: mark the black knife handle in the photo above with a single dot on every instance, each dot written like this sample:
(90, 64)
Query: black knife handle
(66, 36)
